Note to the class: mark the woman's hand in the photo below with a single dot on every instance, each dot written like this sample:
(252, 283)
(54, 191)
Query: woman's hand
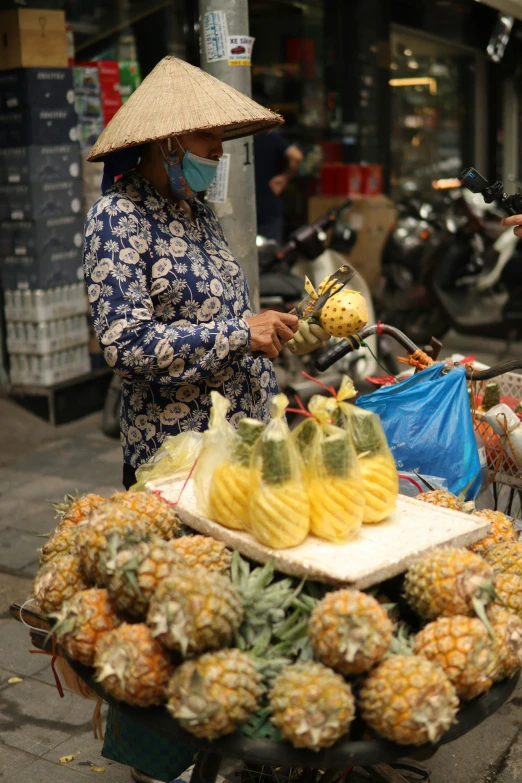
(516, 221)
(270, 331)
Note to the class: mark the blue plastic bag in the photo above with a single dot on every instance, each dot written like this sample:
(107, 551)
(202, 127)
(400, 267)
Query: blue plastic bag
(428, 424)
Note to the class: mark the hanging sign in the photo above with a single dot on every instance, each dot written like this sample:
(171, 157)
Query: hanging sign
(215, 33)
(240, 49)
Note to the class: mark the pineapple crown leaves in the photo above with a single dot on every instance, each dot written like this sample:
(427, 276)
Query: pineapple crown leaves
(115, 664)
(170, 618)
(402, 642)
(63, 507)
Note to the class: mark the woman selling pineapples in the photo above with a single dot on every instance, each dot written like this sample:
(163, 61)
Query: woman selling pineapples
(170, 304)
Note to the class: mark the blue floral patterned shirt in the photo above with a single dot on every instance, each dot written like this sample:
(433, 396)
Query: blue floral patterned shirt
(169, 304)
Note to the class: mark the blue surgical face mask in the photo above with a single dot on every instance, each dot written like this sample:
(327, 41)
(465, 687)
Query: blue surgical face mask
(190, 174)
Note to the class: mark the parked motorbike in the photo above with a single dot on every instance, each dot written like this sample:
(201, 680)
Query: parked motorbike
(458, 279)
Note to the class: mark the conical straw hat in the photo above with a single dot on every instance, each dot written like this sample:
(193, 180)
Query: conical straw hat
(178, 98)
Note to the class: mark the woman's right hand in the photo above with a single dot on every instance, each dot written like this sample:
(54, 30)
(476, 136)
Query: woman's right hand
(269, 331)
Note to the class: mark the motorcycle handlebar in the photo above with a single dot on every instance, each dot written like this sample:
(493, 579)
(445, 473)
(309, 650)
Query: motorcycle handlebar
(339, 351)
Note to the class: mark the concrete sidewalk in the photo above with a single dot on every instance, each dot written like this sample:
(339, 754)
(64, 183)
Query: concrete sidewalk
(37, 727)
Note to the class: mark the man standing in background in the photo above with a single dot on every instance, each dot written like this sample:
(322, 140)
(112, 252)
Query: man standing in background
(276, 162)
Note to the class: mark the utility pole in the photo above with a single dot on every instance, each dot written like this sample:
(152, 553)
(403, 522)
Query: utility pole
(233, 199)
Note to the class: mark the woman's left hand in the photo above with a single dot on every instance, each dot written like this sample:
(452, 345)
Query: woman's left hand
(516, 221)
(307, 338)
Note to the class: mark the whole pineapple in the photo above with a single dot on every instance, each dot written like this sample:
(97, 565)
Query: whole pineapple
(133, 666)
(507, 629)
(82, 620)
(76, 509)
(195, 610)
(464, 649)
(349, 631)
(91, 536)
(502, 531)
(160, 515)
(212, 695)
(448, 581)
(57, 581)
(61, 542)
(135, 565)
(344, 313)
(408, 700)
(508, 591)
(441, 498)
(231, 482)
(378, 470)
(203, 551)
(311, 705)
(505, 558)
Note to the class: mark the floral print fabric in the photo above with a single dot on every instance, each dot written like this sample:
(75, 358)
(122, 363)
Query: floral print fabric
(169, 303)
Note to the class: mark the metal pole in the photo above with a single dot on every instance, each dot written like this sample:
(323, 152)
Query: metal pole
(237, 212)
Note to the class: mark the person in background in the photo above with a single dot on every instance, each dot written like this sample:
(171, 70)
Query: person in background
(276, 162)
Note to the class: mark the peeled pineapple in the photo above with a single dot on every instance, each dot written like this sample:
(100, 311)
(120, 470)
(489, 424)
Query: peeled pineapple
(333, 480)
(279, 511)
(231, 482)
(344, 314)
(378, 470)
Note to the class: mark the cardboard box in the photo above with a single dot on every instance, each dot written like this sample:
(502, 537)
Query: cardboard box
(36, 88)
(46, 271)
(40, 200)
(40, 238)
(372, 217)
(341, 179)
(40, 163)
(38, 126)
(32, 38)
(88, 132)
(86, 79)
(130, 78)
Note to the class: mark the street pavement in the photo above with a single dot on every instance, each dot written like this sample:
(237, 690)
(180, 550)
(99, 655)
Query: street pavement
(39, 463)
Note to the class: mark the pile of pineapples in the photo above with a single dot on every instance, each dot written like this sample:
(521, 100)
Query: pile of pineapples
(170, 618)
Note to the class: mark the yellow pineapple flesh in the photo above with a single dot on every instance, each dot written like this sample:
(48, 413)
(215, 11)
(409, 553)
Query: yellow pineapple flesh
(344, 313)
(133, 666)
(408, 700)
(229, 494)
(378, 470)
(336, 509)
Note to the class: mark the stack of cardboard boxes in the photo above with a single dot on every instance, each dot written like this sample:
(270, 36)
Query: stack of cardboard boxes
(41, 221)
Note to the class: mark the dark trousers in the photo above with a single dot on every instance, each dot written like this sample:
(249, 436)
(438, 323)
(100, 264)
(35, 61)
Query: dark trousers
(129, 476)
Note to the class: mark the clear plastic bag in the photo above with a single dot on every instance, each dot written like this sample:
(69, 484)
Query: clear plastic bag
(279, 511)
(333, 477)
(218, 443)
(378, 469)
(173, 461)
(231, 482)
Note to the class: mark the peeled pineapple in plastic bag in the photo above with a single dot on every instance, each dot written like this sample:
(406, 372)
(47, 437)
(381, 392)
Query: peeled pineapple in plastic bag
(334, 484)
(378, 469)
(232, 480)
(279, 508)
